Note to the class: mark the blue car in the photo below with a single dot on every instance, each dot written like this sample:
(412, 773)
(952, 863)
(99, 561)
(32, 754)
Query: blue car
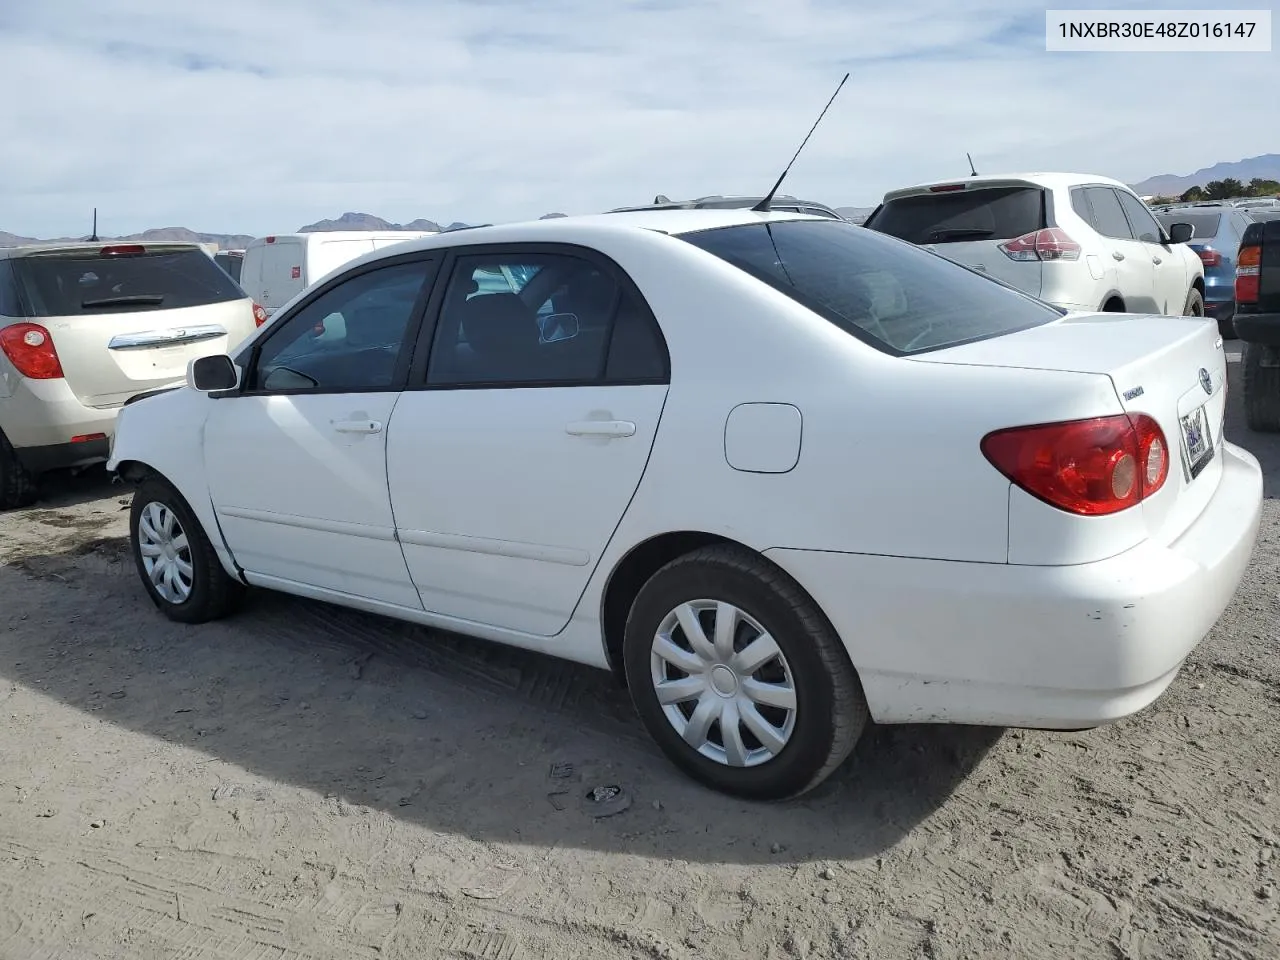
(1218, 229)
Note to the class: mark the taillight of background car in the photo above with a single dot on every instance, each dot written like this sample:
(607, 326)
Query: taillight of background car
(1088, 467)
(1051, 243)
(1208, 256)
(1248, 264)
(259, 315)
(30, 349)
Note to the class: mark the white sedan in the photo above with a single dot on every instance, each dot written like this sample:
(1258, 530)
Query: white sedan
(782, 474)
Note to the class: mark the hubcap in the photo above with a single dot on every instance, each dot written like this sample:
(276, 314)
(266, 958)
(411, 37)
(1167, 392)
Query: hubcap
(166, 555)
(723, 683)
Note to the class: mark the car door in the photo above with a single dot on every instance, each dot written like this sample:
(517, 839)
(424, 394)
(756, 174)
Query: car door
(1170, 268)
(513, 460)
(1135, 272)
(296, 457)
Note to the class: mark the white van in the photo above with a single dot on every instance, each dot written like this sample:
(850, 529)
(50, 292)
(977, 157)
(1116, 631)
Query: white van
(275, 269)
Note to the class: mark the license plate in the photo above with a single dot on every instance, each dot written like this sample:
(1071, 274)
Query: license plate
(1196, 441)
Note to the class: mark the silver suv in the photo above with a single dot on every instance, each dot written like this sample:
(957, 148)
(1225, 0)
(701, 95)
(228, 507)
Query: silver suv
(86, 326)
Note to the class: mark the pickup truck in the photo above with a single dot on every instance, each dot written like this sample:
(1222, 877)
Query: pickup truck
(1257, 322)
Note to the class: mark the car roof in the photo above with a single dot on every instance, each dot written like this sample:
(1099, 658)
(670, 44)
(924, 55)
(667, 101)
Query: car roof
(1051, 181)
(718, 202)
(582, 229)
(82, 246)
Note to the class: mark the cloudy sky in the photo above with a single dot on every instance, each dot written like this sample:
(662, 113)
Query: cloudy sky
(254, 116)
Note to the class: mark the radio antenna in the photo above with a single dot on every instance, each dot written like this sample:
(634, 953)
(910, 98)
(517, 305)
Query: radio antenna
(972, 171)
(763, 205)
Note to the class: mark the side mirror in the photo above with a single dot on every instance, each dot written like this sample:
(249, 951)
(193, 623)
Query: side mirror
(1181, 232)
(208, 374)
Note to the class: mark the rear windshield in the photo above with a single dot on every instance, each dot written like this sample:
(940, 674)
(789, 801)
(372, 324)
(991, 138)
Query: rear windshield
(991, 213)
(898, 298)
(230, 264)
(1205, 224)
(70, 285)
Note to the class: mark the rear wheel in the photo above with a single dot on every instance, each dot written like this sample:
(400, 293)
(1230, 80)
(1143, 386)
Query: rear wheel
(17, 484)
(1261, 387)
(179, 568)
(1195, 304)
(739, 677)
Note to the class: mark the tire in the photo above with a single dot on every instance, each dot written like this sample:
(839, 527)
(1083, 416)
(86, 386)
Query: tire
(827, 711)
(1261, 386)
(201, 592)
(18, 487)
(1195, 304)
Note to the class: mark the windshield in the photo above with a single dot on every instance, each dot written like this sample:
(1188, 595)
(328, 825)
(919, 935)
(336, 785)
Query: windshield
(69, 285)
(989, 213)
(898, 298)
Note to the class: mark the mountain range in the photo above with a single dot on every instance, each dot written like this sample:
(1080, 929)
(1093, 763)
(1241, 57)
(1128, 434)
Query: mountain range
(1266, 167)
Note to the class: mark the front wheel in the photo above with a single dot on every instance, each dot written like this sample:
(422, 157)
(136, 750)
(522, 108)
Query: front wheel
(179, 568)
(739, 677)
(1195, 304)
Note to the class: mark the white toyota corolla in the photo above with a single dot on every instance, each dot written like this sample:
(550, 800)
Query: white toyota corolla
(780, 473)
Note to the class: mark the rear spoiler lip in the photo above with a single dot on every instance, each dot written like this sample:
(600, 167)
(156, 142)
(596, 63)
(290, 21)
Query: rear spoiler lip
(924, 189)
(82, 250)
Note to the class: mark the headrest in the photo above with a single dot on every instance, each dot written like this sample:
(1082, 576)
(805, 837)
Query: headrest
(499, 323)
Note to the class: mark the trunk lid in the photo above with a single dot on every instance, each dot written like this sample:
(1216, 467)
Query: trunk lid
(126, 318)
(1173, 369)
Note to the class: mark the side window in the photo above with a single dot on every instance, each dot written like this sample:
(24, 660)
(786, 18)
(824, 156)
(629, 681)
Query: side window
(1143, 223)
(347, 340)
(1080, 204)
(540, 319)
(1108, 216)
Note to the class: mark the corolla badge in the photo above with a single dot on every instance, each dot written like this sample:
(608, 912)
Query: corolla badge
(1206, 380)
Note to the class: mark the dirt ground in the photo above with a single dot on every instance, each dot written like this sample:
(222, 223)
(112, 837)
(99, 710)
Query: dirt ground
(304, 782)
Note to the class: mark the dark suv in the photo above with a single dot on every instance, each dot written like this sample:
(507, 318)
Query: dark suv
(1257, 322)
(780, 204)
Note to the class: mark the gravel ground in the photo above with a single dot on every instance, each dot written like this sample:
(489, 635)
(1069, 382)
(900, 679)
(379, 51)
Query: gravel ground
(306, 782)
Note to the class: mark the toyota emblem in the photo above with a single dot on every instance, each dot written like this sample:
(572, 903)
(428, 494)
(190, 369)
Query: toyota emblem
(1206, 381)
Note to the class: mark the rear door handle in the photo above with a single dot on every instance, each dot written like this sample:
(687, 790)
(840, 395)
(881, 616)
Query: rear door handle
(357, 426)
(1117, 255)
(1156, 260)
(601, 428)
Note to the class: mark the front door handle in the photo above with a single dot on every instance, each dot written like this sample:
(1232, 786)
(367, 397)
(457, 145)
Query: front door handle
(357, 426)
(601, 428)
(1156, 260)
(1117, 255)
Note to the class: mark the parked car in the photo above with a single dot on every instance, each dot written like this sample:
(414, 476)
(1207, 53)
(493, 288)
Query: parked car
(1000, 513)
(84, 327)
(1258, 322)
(779, 204)
(231, 261)
(1078, 241)
(276, 268)
(1217, 237)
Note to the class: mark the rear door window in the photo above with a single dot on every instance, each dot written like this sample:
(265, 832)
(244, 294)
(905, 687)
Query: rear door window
(82, 283)
(898, 299)
(1108, 216)
(984, 213)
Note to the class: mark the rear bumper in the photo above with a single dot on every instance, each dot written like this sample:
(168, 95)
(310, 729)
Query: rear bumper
(1220, 309)
(57, 456)
(1258, 327)
(1032, 646)
(41, 418)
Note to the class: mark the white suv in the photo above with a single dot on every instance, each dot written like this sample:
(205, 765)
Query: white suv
(85, 327)
(1078, 241)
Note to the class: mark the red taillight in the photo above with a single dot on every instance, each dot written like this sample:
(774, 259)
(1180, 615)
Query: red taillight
(86, 437)
(1248, 263)
(271, 239)
(1052, 243)
(122, 250)
(947, 188)
(30, 349)
(1088, 467)
(1210, 257)
(259, 315)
